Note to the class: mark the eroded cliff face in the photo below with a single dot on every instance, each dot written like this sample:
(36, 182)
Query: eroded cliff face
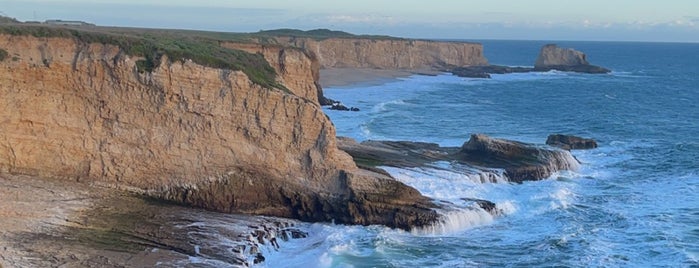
(187, 133)
(296, 69)
(389, 53)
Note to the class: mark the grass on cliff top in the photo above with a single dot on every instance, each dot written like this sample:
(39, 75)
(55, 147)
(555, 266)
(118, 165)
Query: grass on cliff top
(201, 47)
(320, 34)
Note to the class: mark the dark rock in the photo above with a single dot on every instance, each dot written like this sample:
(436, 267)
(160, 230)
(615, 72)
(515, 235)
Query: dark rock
(485, 70)
(486, 205)
(520, 161)
(570, 142)
(259, 258)
(339, 107)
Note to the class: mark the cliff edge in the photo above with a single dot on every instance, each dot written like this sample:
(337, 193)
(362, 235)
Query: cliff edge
(380, 52)
(175, 129)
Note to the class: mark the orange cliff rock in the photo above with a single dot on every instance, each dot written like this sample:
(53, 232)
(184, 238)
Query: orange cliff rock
(389, 53)
(187, 133)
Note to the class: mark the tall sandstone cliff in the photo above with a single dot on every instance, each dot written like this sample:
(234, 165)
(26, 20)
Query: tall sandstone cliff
(191, 134)
(389, 53)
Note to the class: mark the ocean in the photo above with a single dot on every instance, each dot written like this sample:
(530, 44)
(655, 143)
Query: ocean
(633, 202)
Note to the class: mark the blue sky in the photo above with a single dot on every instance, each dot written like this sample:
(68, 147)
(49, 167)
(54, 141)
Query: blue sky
(615, 20)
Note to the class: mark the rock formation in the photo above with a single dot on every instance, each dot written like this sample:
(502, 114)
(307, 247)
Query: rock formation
(191, 134)
(520, 161)
(570, 142)
(377, 53)
(552, 57)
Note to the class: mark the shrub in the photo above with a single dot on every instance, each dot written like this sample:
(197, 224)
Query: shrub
(200, 47)
(3, 54)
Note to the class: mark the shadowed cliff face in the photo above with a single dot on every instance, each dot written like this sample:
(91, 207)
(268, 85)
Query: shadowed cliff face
(187, 133)
(389, 54)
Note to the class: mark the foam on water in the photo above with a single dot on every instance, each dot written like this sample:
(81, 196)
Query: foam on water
(456, 220)
(630, 203)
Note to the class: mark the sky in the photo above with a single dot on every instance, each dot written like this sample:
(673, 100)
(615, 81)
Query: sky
(593, 20)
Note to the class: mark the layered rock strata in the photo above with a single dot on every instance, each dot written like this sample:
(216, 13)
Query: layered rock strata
(552, 57)
(195, 135)
(377, 53)
(519, 161)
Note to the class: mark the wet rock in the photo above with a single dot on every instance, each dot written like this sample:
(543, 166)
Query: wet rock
(520, 161)
(486, 205)
(341, 107)
(485, 71)
(570, 142)
(259, 258)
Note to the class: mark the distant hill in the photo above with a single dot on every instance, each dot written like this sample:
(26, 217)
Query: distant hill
(4, 19)
(320, 34)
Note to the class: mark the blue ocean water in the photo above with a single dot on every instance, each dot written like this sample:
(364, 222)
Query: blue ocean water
(633, 203)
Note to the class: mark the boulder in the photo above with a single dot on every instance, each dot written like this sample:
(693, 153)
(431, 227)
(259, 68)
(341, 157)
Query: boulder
(570, 142)
(340, 107)
(553, 57)
(521, 161)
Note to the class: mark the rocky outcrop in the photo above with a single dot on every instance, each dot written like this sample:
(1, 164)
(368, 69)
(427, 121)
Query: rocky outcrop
(486, 70)
(550, 58)
(191, 134)
(378, 53)
(553, 57)
(570, 142)
(520, 161)
(96, 227)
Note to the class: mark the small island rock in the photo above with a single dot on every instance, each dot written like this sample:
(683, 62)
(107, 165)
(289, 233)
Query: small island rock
(553, 57)
(570, 142)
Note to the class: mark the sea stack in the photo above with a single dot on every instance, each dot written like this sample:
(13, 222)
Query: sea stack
(553, 57)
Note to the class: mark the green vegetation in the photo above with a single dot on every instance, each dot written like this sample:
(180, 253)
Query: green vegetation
(320, 34)
(200, 47)
(4, 19)
(3, 54)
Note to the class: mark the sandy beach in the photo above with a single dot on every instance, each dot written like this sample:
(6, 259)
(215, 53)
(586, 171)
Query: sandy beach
(343, 77)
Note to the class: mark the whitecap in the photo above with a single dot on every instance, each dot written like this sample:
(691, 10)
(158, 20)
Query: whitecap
(455, 221)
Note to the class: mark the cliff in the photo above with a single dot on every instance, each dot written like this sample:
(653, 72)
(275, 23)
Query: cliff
(188, 133)
(385, 53)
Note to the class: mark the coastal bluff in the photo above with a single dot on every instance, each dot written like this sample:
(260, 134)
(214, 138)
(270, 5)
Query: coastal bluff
(185, 132)
(378, 52)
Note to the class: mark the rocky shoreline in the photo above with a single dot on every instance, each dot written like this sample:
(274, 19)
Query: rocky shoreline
(71, 224)
(138, 129)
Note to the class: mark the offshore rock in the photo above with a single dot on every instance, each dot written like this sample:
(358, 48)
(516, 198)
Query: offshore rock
(570, 142)
(187, 133)
(520, 161)
(551, 57)
(484, 71)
